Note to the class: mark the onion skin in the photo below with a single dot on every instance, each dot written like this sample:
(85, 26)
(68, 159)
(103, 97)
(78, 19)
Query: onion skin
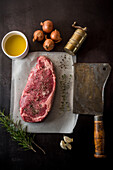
(55, 35)
(47, 26)
(38, 35)
(48, 44)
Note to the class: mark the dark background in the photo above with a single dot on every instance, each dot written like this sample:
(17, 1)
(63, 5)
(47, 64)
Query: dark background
(26, 16)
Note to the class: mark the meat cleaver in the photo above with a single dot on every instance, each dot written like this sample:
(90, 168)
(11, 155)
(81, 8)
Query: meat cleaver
(89, 83)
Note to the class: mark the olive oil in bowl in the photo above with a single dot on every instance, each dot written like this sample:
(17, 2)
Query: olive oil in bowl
(15, 45)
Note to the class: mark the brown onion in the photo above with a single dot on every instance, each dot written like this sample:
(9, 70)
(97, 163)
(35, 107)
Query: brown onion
(48, 44)
(55, 35)
(38, 35)
(47, 26)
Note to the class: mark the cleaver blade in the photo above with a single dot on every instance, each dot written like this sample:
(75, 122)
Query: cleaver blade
(89, 83)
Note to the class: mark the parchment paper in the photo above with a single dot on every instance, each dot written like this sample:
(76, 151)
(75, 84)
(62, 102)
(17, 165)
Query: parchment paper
(58, 120)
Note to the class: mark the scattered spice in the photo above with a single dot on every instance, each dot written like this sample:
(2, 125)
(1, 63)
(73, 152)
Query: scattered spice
(33, 110)
(63, 64)
(64, 86)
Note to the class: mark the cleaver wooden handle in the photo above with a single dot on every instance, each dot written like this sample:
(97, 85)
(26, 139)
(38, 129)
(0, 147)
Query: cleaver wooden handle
(99, 137)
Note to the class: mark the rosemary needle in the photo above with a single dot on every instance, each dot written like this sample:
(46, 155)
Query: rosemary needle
(18, 133)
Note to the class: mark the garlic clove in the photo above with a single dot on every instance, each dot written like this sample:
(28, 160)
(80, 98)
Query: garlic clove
(68, 146)
(63, 145)
(67, 139)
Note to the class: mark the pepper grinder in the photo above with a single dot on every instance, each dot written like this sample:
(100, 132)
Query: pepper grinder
(76, 40)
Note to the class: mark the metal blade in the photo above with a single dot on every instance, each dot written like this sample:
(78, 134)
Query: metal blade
(89, 83)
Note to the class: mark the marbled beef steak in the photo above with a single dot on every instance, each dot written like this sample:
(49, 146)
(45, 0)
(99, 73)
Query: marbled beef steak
(36, 99)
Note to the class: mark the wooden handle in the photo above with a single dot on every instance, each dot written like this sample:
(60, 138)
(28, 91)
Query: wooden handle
(99, 137)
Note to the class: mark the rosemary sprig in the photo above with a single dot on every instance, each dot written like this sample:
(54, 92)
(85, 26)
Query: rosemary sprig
(18, 133)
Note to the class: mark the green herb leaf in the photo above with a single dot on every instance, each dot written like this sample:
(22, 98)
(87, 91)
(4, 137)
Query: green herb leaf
(18, 133)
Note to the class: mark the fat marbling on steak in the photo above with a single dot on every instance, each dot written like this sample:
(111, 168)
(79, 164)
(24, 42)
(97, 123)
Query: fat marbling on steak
(36, 99)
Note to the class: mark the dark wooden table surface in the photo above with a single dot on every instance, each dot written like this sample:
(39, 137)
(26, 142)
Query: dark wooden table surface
(25, 16)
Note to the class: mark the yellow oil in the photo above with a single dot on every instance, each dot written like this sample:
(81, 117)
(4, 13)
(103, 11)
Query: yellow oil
(15, 45)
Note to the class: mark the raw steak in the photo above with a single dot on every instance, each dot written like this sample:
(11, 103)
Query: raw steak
(36, 99)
